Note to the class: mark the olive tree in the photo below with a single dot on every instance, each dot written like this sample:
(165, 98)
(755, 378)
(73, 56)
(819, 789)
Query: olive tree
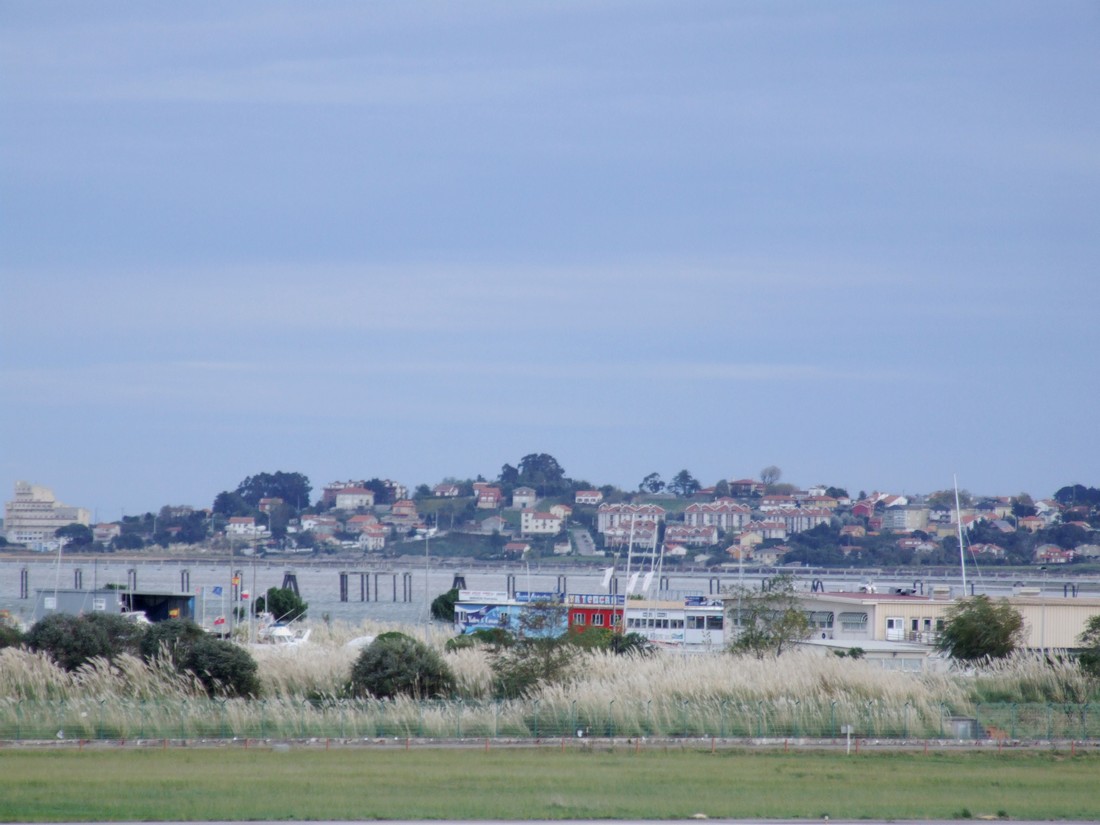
(767, 620)
(979, 628)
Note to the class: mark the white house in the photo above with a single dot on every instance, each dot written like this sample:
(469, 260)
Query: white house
(352, 498)
(539, 524)
(523, 497)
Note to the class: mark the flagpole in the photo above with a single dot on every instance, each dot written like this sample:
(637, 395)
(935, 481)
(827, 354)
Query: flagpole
(629, 556)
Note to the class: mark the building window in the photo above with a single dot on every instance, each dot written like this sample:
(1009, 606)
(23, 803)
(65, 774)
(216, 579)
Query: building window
(578, 618)
(714, 622)
(597, 620)
(853, 622)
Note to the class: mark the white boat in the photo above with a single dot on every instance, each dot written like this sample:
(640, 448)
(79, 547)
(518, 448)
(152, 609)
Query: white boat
(282, 635)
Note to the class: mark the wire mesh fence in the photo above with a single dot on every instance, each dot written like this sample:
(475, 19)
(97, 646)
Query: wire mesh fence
(89, 719)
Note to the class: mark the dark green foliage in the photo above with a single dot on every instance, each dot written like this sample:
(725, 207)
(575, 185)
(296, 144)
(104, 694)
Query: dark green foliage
(172, 637)
(1075, 494)
(604, 638)
(542, 471)
(443, 606)
(292, 488)
(79, 535)
(72, 641)
(398, 665)
(231, 504)
(128, 541)
(225, 669)
(10, 636)
(282, 603)
(978, 627)
(1090, 642)
(495, 639)
(684, 484)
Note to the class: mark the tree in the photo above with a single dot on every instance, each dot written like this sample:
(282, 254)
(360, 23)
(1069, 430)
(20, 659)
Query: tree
(443, 606)
(72, 641)
(541, 655)
(229, 504)
(170, 638)
(76, 535)
(282, 603)
(1023, 506)
(684, 484)
(767, 620)
(652, 483)
(223, 668)
(1075, 494)
(722, 489)
(398, 665)
(1090, 641)
(836, 492)
(542, 471)
(945, 499)
(509, 476)
(292, 488)
(979, 628)
(770, 475)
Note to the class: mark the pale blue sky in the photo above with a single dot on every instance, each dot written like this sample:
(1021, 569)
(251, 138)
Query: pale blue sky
(413, 240)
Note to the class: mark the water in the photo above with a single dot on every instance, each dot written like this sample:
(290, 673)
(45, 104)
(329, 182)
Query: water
(403, 596)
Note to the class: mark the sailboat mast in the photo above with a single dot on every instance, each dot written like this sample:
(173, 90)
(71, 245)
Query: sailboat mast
(959, 524)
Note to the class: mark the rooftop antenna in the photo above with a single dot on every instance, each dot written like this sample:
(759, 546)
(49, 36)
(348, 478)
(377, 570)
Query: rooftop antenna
(959, 524)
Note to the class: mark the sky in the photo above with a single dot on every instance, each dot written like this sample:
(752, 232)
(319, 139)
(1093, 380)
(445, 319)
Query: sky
(416, 240)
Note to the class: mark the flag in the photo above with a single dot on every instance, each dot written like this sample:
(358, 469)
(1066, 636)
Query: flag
(633, 582)
(607, 576)
(244, 594)
(218, 590)
(174, 613)
(647, 581)
(219, 620)
(236, 580)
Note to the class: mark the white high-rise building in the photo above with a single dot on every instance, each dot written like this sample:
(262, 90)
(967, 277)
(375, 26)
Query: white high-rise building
(34, 515)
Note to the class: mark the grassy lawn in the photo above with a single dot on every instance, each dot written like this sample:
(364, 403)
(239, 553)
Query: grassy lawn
(97, 784)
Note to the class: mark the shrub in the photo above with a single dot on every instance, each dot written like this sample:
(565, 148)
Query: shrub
(398, 665)
(282, 603)
(223, 668)
(173, 636)
(443, 606)
(10, 636)
(71, 641)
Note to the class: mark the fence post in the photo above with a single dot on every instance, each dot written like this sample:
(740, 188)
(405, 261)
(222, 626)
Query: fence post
(1050, 722)
(832, 718)
(610, 719)
(907, 706)
(943, 712)
(536, 718)
(1013, 719)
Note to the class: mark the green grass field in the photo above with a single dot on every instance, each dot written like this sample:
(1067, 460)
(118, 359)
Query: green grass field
(98, 784)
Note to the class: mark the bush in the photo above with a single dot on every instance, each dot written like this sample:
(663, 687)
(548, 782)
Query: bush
(10, 636)
(282, 603)
(173, 636)
(443, 606)
(398, 665)
(73, 640)
(223, 668)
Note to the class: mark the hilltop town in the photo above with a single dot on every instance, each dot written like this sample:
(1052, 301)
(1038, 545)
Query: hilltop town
(533, 510)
